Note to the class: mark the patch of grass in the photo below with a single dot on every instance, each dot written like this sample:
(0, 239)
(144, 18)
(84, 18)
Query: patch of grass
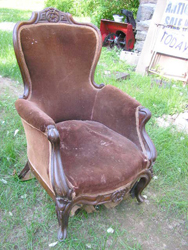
(160, 100)
(14, 15)
(27, 214)
(30, 223)
(172, 153)
(172, 160)
(8, 63)
(171, 168)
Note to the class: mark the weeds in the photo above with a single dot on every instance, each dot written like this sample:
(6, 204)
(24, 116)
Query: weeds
(27, 214)
(13, 15)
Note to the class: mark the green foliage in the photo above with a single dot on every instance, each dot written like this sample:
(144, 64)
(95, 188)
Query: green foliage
(64, 5)
(106, 9)
(37, 226)
(96, 9)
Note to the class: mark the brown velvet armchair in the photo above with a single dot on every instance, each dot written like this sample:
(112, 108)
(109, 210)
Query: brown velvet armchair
(86, 143)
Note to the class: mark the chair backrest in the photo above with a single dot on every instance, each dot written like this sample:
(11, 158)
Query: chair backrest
(57, 58)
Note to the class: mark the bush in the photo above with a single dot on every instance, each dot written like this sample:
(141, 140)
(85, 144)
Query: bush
(106, 9)
(63, 5)
(96, 9)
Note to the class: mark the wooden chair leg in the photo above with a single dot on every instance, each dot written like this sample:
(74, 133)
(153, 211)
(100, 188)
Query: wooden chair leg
(63, 208)
(26, 173)
(140, 186)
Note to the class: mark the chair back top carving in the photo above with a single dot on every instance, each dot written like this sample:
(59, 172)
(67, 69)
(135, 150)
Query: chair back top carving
(57, 57)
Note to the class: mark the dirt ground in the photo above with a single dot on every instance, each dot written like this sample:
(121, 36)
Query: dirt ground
(15, 88)
(148, 223)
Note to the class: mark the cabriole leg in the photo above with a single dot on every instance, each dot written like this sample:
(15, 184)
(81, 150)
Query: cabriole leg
(143, 182)
(26, 173)
(63, 208)
(140, 185)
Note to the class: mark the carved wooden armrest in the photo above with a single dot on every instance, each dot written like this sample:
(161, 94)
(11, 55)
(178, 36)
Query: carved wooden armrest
(58, 177)
(144, 115)
(39, 120)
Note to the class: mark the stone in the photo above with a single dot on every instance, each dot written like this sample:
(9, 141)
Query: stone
(178, 120)
(181, 122)
(148, 1)
(110, 230)
(145, 12)
(130, 57)
(122, 76)
(141, 35)
(143, 25)
(53, 244)
(88, 245)
(138, 46)
(119, 76)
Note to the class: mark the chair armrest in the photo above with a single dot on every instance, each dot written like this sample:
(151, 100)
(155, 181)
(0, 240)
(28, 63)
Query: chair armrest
(126, 116)
(33, 115)
(118, 111)
(58, 178)
(36, 121)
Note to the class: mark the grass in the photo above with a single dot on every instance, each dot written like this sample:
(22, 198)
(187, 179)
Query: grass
(8, 63)
(14, 15)
(36, 226)
(30, 222)
(172, 159)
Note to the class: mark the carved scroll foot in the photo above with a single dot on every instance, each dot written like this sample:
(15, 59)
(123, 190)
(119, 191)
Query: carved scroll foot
(63, 207)
(140, 185)
(26, 173)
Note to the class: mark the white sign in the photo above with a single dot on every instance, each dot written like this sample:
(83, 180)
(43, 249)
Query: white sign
(173, 36)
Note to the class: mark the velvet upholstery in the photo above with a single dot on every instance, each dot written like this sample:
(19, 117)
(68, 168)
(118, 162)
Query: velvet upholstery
(60, 58)
(33, 115)
(96, 159)
(86, 143)
(117, 110)
(111, 106)
(38, 152)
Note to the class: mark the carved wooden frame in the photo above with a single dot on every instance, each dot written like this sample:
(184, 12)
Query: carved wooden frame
(49, 15)
(63, 198)
(65, 202)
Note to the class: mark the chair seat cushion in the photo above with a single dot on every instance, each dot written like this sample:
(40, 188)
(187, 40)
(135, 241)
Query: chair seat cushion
(96, 159)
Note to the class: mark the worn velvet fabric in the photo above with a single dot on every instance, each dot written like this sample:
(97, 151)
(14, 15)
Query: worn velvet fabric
(117, 110)
(33, 115)
(60, 58)
(100, 148)
(38, 152)
(96, 159)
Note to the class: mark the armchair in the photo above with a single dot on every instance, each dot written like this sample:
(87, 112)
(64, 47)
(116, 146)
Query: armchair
(86, 143)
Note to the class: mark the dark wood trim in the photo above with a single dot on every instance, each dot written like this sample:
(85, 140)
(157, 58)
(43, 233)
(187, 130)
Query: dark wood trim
(140, 185)
(49, 15)
(64, 201)
(24, 171)
(58, 177)
(144, 116)
(63, 194)
(64, 205)
(19, 56)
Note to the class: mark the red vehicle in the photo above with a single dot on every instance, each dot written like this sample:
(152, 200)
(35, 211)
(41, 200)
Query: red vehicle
(119, 33)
